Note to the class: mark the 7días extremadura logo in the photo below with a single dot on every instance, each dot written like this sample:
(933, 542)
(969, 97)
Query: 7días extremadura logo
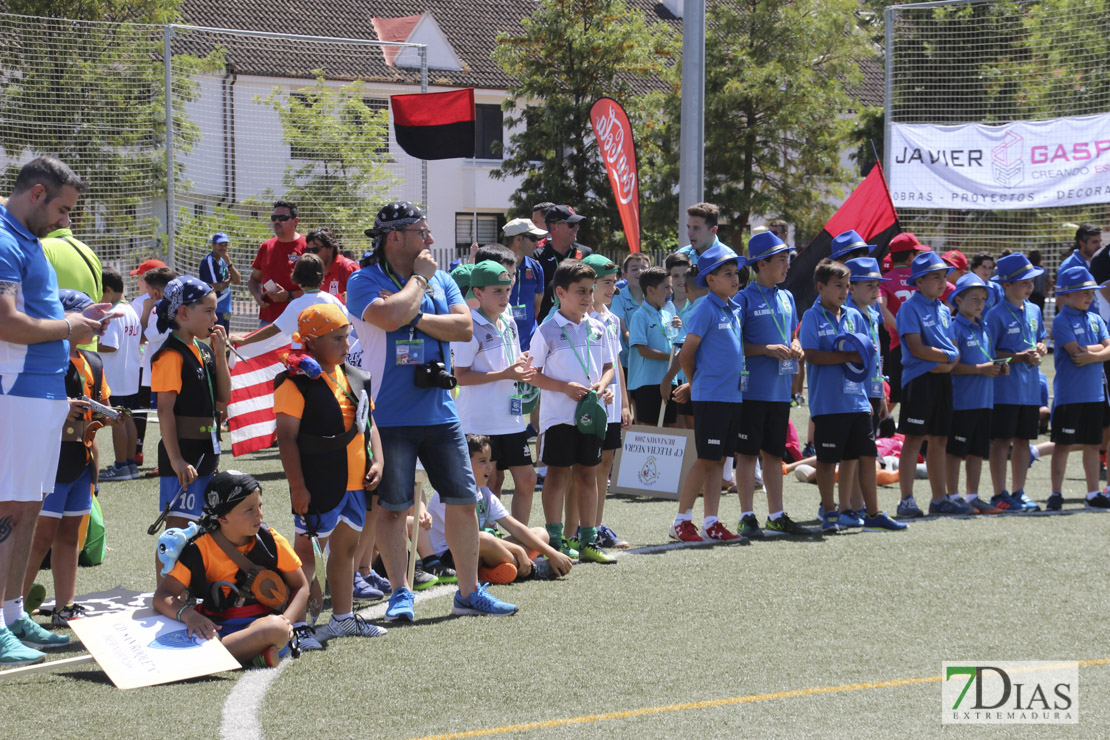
(1011, 693)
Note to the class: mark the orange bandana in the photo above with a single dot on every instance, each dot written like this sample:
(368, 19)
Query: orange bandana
(318, 320)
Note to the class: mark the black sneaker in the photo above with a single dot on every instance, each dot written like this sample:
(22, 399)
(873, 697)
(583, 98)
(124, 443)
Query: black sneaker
(434, 566)
(785, 525)
(1099, 502)
(749, 527)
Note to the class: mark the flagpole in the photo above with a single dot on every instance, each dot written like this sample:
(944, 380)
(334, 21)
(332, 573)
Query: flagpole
(691, 177)
(424, 162)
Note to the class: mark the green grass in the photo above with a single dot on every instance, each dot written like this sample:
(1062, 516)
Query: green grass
(655, 629)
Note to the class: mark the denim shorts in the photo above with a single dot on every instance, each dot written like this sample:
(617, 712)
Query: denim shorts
(442, 451)
(351, 509)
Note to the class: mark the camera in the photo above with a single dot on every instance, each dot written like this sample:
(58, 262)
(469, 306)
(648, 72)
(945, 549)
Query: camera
(433, 375)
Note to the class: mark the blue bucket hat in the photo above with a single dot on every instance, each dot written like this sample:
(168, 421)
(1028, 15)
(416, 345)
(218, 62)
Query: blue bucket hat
(857, 372)
(849, 241)
(865, 268)
(74, 301)
(925, 263)
(764, 245)
(968, 281)
(1075, 279)
(713, 258)
(1014, 267)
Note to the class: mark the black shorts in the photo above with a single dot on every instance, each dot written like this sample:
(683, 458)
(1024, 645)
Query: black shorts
(763, 428)
(565, 446)
(134, 401)
(716, 428)
(971, 433)
(648, 400)
(1078, 423)
(510, 450)
(684, 409)
(1011, 421)
(892, 368)
(612, 439)
(839, 437)
(927, 406)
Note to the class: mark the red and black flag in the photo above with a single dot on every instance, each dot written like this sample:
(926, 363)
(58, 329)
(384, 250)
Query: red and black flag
(869, 210)
(435, 125)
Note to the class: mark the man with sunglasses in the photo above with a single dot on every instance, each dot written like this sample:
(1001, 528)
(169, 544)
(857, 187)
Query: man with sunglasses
(274, 262)
(521, 236)
(562, 227)
(337, 269)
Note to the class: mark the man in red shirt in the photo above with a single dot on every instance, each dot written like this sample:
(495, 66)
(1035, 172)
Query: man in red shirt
(326, 245)
(271, 281)
(903, 248)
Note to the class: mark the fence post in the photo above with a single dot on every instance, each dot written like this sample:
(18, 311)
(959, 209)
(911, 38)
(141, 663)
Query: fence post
(424, 162)
(167, 65)
(888, 84)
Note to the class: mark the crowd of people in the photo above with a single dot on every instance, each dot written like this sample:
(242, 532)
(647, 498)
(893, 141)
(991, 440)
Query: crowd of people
(397, 367)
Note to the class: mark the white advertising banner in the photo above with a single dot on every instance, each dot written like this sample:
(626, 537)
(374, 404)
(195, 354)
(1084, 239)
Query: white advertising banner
(1024, 164)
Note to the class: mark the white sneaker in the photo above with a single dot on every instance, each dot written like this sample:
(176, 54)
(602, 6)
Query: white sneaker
(354, 626)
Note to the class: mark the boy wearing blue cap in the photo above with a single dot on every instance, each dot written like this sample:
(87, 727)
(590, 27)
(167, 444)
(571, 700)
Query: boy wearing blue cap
(217, 270)
(1082, 344)
(972, 391)
(1018, 332)
(928, 356)
(833, 336)
(712, 351)
(652, 330)
(772, 352)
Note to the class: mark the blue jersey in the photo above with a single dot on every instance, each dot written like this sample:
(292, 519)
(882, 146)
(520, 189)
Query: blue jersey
(1074, 384)
(214, 270)
(720, 356)
(389, 357)
(624, 305)
(769, 318)
(522, 299)
(874, 319)
(974, 344)
(1016, 330)
(30, 370)
(932, 320)
(652, 328)
(830, 392)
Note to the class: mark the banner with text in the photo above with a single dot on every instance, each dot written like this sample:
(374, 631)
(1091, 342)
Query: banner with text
(1024, 164)
(618, 152)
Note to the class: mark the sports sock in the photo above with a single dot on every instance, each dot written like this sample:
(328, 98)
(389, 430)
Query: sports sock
(953, 497)
(745, 513)
(132, 461)
(587, 535)
(684, 516)
(1090, 496)
(708, 522)
(774, 517)
(972, 496)
(555, 534)
(341, 617)
(13, 610)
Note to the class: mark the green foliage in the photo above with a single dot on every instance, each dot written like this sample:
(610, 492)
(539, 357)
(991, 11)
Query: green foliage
(344, 142)
(245, 230)
(569, 54)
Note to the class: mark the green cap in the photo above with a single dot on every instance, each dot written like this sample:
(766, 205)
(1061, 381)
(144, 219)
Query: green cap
(589, 415)
(487, 273)
(601, 265)
(461, 274)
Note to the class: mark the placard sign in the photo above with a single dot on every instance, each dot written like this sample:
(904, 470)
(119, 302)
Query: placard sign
(143, 648)
(653, 461)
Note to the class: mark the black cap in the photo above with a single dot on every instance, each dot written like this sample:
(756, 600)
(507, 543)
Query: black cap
(563, 213)
(224, 492)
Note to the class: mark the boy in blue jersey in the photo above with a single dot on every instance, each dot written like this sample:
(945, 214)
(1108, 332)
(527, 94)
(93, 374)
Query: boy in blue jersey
(1082, 344)
(629, 299)
(687, 293)
(928, 356)
(712, 352)
(972, 391)
(841, 412)
(1018, 332)
(652, 329)
(772, 352)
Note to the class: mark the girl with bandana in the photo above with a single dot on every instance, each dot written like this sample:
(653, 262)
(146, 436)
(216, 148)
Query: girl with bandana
(191, 378)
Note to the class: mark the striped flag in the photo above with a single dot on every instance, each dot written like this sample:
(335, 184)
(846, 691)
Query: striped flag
(251, 411)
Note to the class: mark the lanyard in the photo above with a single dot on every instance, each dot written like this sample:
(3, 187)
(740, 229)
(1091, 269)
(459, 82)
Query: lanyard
(774, 314)
(873, 331)
(506, 340)
(829, 318)
(1021, 323)
(975, 338)
(346, 391)
(734, 322)
(585, 365)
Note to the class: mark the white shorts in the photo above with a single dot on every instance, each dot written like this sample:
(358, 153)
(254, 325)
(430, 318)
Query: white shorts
(30, 442)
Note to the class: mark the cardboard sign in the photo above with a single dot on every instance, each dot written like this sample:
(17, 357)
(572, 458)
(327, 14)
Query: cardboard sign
(653, 461)
(143, 648)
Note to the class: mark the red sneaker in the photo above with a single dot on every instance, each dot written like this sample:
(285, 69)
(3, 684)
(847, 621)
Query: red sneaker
(719, 533)
(685, 532)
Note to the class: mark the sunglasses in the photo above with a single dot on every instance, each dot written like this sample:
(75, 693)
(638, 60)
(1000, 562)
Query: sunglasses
(532, 238)
(312, 249)
(280, 217)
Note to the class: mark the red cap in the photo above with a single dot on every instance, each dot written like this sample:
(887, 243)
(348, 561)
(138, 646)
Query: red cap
(147, 266)
(956, 258)
(887, 264)
(907, 242)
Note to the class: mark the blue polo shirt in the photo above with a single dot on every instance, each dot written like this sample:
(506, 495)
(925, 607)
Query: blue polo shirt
(649, 327)
(214, 270)
(1016, 330)
(624, 305)
(973, 341)
(720, 355)
(692, 253)
(995, 295)
(402, 403)
(522, 298)
(769, 318)
(1074, 384)
(828, 392)
(30, 370)
(874, 321)
(931, 319)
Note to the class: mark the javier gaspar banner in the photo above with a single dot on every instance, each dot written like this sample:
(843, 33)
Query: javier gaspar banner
(1025, 164)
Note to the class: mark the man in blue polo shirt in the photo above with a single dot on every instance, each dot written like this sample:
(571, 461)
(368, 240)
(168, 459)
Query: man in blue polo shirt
(217, 270)
(34, 355)
(407, 313)
(521, 236)
(701, 228)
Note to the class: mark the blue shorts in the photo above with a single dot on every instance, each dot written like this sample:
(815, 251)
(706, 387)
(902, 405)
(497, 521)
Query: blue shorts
(443, 453)
(352, 510)
(70, 499)
(189, 504)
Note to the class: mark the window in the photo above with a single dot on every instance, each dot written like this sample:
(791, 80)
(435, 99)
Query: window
(489, 229)
(488, 125)
(374, 104)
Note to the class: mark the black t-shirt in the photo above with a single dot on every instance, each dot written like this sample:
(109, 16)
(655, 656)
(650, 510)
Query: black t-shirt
(549, 260)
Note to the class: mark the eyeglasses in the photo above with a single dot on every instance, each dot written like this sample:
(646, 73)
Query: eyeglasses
(280, 217)
(423, 232)
(533, 238)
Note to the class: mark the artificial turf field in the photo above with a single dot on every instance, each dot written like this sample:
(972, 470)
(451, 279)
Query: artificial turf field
(690, 641)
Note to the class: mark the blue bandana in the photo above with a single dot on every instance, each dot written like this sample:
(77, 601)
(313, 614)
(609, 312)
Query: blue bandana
(181, 291)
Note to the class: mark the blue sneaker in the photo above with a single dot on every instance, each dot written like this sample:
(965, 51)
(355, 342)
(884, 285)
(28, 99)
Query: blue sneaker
(1027, 504)
(400, 606)
(31, 634)
(379, 582)
(882, 523)
(849, 519)
(1007, 503)
(1055, 502)
(363, 591)
(830, 523)
(944, 506)
(14, 653)
(608, 538)
(820, 513)
(908, 508)
(481, 603)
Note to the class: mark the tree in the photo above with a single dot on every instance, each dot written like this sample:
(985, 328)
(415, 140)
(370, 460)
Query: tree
(570, 53)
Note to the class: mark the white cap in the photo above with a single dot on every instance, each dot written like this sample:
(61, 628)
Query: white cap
(522, 226)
